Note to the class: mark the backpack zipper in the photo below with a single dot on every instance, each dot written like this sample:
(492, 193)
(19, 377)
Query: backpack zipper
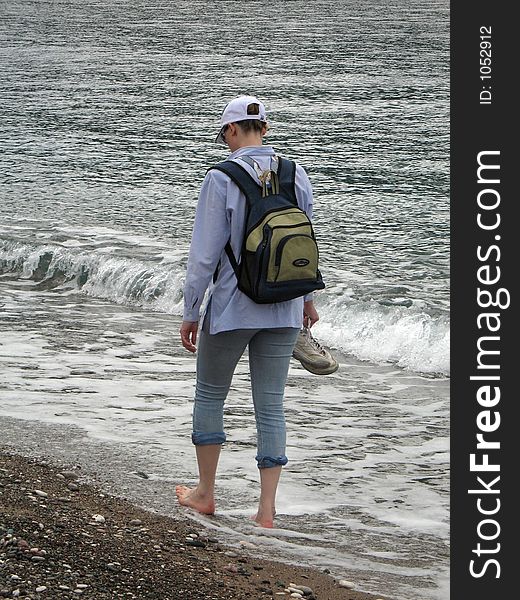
(284, 241)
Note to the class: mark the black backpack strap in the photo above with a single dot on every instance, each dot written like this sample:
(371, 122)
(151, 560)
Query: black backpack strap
(231, 256)
(287, 178)
(232, 260)
(241, 178)
(251, 191)
(250, 188)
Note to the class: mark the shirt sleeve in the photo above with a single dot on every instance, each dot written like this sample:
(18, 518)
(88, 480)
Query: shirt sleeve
(305, 199)
(211, 231)
(303, 190)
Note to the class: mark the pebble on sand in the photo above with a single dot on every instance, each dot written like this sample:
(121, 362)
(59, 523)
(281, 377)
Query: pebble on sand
(40, 588)
(231, 568)
(307, 591)
(346, 584)
(98, 518)
(41, 493)
(300, 589)
(195, 543)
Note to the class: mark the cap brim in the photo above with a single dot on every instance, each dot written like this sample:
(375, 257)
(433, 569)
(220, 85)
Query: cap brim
(219, 139)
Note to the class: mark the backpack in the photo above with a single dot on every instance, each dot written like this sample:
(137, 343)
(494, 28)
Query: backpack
(279, 254)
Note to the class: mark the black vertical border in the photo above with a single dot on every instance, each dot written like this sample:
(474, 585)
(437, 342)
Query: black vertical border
(474, 128)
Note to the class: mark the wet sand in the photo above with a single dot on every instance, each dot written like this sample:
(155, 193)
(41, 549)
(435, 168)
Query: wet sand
(64, 537)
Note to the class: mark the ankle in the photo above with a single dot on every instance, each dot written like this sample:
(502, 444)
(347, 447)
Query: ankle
(267, 510)
(204, 492)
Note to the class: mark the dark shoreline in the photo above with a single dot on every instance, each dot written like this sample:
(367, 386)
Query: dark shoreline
(53, 540)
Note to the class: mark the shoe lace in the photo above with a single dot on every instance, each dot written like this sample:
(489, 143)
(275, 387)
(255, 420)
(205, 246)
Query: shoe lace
(314, 343)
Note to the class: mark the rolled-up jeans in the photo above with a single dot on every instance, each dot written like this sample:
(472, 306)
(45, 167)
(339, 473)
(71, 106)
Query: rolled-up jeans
(270, 351)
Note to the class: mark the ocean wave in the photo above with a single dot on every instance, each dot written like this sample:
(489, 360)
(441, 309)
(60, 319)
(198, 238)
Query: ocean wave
(119, 279)
(402, 332)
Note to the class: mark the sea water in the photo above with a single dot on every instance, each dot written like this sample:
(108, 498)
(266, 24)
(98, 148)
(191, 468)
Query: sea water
(108, 112)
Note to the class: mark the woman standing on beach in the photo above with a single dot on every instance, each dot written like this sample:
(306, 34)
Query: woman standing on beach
(233, 321)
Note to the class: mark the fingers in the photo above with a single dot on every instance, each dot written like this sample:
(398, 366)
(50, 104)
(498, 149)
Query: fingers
(310, 317)
(188, 333)
(188, 345)
(310, 314)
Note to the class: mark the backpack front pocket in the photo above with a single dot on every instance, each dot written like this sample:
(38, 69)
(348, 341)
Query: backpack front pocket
(296, 258)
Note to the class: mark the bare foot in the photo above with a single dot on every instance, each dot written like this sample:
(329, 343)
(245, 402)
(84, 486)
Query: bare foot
(190, 497)
(264, 519)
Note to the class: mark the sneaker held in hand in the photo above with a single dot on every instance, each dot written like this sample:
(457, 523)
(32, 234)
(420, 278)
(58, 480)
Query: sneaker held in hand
(313, 355)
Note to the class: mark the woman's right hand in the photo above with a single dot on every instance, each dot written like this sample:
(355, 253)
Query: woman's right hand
(310, 314)
(188, 333)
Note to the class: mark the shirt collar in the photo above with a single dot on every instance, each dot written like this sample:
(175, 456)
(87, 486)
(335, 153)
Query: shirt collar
(252, 150)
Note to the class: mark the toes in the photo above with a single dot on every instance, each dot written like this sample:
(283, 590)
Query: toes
(182, 491)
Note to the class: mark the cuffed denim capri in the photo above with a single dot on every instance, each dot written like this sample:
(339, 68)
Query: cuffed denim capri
(270, 351)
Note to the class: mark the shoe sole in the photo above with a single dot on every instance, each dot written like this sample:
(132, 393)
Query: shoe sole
(318, 371)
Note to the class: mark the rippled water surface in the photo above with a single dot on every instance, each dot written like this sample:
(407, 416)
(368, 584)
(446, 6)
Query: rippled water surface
(108, 112)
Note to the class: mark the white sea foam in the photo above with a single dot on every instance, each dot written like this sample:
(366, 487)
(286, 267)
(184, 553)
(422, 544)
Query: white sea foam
(98, 274)
(407, 335)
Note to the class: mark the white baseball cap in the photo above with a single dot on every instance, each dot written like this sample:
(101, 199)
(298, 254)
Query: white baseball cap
(237, 110)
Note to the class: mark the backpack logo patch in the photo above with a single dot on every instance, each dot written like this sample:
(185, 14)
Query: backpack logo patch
(301, 262)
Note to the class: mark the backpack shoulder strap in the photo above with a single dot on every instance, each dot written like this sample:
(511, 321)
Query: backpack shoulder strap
(241, 178)
(287, 178)
(251, 190)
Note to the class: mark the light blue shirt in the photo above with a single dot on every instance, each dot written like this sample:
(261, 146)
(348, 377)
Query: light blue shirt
(220, 217)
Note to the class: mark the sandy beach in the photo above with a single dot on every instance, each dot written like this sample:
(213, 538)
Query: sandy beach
(61, 537)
